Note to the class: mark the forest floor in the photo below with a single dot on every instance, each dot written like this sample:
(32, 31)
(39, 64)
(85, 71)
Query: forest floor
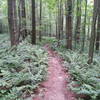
(56, 87)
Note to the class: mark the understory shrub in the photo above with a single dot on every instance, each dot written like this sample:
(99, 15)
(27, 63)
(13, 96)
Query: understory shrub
(47, 40)
(22, 68)
(86, 78)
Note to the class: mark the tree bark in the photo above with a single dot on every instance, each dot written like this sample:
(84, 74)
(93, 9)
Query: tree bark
(33, 23)
(78, 22)
(98, 34)
(84, 28)
(12, 20)
(69, 24)
(93, 33)
(40, 30)
(22, 19)
(62, 19)
(98, 28)
(59, 19)
(0, 26)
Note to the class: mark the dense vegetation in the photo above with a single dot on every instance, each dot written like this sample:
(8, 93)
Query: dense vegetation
(85, 77)
(21, 70)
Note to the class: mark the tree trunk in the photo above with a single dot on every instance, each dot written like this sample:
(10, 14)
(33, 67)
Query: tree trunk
(88, 35)
(93, 32)
(78, 23)
(40, 33)
(50, 26)
(33, 23)
(98, 34)
(69, 24)
(0, 26)
(84, 28)
(12, 20)
(56, 27)
(59, 17)
(22, 19)
(62, 19)
(98, 28)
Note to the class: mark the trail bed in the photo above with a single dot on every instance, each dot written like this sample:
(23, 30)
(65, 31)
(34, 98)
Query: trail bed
(56, 87)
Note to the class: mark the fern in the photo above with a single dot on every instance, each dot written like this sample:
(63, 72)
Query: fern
(21, 70)
(86, 78)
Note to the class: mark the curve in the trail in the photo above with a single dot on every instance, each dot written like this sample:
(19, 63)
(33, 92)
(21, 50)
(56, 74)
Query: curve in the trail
(56, 87)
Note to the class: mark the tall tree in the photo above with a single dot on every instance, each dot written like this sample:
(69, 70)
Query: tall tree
(12, 19)
(93, 32)
(78, 22)
(59, 19)
(56, 23)
(62, 17)
(40, 30)
(98, 28)
(0, 26)
(33, 23)
(84, 27)
(22, 19)
(98, 34)
(88, 32)
(69, 24)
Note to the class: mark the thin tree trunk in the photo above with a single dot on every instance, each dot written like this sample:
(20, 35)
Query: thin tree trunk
(50, 27)
(59, 19)
(84, 28)
(0, 26)
(88, 35)
(56, 27)
(56, 19)
(62, 19)
(33, 23)
(40, 33)
(24, 19)
(20, 17)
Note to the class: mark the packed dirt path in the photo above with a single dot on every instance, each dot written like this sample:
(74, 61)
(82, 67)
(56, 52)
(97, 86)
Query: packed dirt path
(55, 88)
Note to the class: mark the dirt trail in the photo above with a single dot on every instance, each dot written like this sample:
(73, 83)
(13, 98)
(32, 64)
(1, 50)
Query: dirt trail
(55, 88)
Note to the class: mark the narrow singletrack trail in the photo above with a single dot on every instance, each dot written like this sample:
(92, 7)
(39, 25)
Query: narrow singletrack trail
(56, 87)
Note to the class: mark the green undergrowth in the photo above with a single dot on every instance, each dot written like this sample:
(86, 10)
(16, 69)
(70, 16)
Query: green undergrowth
(86, 78)
(46, 40)
(22, 68)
